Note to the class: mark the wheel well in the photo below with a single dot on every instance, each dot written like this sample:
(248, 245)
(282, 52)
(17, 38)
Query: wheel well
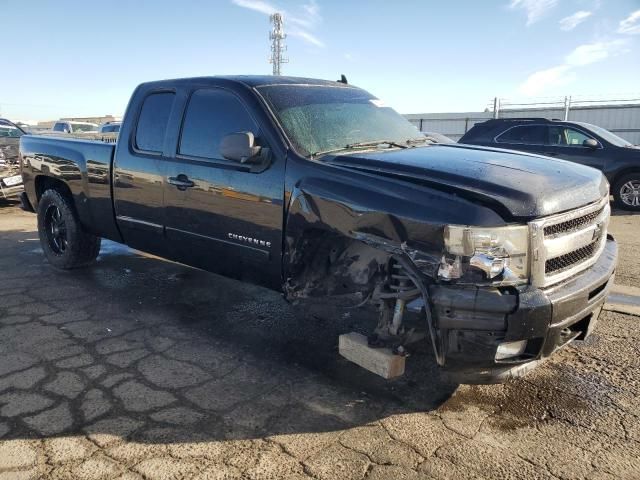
(622, 173)
(326, 263)
(43, 183)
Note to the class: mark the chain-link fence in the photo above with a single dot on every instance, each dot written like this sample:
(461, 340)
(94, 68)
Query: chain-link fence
(618, 115)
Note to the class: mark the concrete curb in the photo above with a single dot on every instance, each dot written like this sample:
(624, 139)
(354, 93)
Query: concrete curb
(623, 299)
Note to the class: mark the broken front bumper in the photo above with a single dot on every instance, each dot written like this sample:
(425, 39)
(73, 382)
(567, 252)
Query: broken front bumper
(474, 321)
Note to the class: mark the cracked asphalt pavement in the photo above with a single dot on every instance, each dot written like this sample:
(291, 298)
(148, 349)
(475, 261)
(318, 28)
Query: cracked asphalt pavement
(142, 368)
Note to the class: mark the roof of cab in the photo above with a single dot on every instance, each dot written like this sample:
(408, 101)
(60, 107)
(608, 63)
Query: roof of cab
(250, 80)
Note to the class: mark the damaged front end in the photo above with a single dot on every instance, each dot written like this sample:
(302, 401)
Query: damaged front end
(485, 320)
(368, 270)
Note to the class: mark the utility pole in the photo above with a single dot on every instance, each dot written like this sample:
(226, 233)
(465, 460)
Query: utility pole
(277, 37)
(567, 107)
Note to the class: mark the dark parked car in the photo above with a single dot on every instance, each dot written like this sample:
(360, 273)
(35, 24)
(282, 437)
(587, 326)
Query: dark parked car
(314, 188)
(574, 141)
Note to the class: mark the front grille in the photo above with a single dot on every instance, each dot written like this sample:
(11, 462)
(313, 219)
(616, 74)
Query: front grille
(572, 225)
(565, 244)
(568, 260)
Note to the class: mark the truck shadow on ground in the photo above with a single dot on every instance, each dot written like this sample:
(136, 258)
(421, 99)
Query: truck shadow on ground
(137, 347)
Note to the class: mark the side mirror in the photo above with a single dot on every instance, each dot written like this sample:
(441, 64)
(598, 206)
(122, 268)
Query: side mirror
(590, 143)
(240, 146)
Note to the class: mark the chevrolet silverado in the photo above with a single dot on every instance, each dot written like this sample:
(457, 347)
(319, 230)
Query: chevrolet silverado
(316, 188)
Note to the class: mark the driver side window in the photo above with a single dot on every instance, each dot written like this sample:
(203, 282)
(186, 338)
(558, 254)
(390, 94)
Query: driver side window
(211, 114)
(574, 137)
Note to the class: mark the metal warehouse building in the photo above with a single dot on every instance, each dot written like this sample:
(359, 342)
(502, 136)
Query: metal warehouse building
(621, 119)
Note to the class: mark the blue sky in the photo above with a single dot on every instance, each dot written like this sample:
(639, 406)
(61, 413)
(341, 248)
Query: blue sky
(69, 57)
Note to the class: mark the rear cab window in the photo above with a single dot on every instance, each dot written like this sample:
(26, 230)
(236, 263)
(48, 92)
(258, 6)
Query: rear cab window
(210, 115)
(152, 122)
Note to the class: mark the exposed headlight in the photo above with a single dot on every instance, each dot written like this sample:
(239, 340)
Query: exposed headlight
(497, 255)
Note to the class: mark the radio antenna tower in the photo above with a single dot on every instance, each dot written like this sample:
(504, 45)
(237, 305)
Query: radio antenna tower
(277, 37)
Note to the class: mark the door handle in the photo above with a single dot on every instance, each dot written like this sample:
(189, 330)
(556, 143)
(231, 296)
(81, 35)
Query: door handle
(181, 182)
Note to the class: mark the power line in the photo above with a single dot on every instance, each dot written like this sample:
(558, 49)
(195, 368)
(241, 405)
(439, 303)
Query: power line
(277, 37)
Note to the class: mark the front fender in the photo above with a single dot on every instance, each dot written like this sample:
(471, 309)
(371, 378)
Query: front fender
(387, 213)
(398, 219)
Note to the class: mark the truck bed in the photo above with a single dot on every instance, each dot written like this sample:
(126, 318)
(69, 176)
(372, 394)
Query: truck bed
(83, 165)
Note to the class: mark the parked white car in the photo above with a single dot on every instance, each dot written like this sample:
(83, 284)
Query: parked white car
(65, 126)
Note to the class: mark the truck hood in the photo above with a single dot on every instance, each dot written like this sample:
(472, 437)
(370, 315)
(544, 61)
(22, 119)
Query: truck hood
(525, 185)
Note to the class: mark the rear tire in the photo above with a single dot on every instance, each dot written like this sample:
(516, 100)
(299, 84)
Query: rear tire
(626, 192)
(64, 242)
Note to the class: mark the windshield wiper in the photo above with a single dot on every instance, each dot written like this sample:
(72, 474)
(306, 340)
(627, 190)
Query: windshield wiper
(357, 145)
(376, 142)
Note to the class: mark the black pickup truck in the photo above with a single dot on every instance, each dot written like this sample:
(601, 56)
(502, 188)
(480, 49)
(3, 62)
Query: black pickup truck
(315, 188)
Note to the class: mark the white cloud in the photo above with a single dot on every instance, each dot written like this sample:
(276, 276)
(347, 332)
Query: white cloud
(631, 24)
(300, 26)
(310, 15)
(536, 9)
(312, 8)
(257, 5)
(594, 52)
(307, 37)
(564, 74)
(540, 81)
(572, 21)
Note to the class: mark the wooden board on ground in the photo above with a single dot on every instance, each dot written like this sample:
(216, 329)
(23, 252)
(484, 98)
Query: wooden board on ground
(381, 361)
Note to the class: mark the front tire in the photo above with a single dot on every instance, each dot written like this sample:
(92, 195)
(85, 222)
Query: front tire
(626, 192)
(64, 242)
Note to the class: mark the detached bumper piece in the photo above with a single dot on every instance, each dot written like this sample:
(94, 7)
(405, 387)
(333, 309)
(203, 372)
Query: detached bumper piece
(381, 361)
(492, 335)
